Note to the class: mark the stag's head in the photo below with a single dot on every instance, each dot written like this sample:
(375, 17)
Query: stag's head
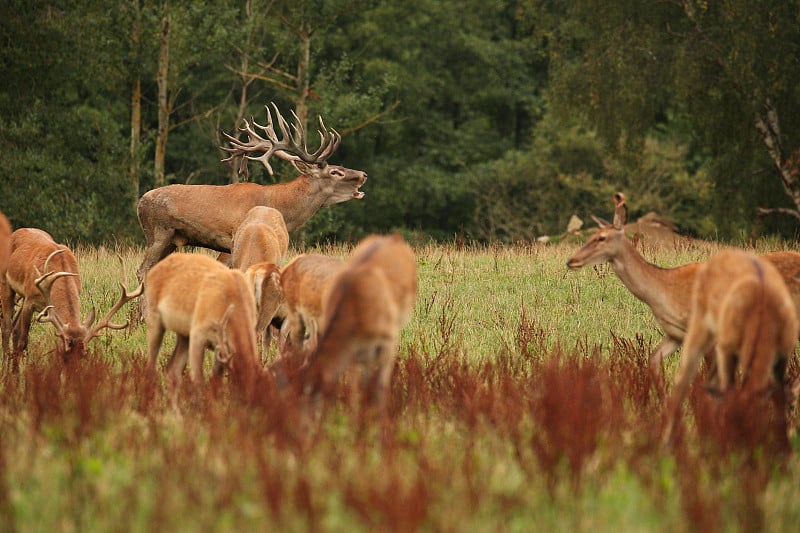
(341, 183)
(73, 335)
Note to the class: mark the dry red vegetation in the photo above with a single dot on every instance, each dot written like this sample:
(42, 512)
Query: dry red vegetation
(570, 415)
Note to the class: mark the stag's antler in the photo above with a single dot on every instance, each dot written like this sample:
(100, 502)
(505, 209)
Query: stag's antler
(123, 299)
(292, 146)
(44, 282)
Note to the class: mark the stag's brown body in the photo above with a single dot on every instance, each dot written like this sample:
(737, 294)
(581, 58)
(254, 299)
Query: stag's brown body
(190, 294)
(44, 275)
(741, 305)
(30, 248)
(371, 299)
(306, 281)
(209, 215)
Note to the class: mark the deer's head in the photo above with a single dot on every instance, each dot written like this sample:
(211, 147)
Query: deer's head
(342, 183)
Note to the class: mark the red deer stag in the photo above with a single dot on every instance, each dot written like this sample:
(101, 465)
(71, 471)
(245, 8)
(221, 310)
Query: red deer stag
(207, 305)
(740, 303)
(44, 275)
(370, 301)
(209, 215)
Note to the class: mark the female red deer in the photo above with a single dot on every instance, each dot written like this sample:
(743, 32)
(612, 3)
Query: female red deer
(207, 305)
(369, 302)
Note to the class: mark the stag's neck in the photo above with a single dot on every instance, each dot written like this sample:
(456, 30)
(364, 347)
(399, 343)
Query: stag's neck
(65, 298)
(297, 200)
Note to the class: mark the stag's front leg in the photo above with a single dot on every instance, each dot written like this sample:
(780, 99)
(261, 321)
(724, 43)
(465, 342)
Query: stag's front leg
(7, 300)
(22, 327)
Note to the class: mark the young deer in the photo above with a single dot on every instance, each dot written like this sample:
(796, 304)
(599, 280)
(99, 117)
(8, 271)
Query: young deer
(370, 301)
(259, 245)
(44, 275)
(741, 305)
(305, 282)
(207, 305)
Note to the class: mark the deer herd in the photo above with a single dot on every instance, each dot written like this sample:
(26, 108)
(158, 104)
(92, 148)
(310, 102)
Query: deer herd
(335, 315)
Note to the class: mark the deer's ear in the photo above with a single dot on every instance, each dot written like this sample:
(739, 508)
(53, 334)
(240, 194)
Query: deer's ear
(303, 167)
(601, 222)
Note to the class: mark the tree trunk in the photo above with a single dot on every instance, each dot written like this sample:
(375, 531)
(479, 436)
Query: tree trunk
(303, 77)
(164, 110)
(136, 104)
(788, 169)
(136, 135)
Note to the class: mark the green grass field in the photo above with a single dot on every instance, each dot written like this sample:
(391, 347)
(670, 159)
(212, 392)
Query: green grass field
(521, 401)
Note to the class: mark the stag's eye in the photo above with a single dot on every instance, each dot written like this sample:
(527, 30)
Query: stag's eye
(601, 238)
(336, 172)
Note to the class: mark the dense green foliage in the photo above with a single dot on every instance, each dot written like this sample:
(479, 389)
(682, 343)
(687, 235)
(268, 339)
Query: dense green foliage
(491, 120)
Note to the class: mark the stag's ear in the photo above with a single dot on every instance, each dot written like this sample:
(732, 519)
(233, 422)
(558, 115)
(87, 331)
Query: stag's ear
(304, 167)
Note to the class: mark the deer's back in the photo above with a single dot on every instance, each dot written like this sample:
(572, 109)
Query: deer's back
(306, 279)
(28, 251)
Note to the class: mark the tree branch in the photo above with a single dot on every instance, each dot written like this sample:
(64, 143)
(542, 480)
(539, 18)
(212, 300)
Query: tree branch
(373, 118)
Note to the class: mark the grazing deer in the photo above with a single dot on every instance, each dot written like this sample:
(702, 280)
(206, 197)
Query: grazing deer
(259, 245)
(44, 275)
(370, 301)
(305, 282)
(261, 237)
(209, 215)
(207, 305)
(740, 303)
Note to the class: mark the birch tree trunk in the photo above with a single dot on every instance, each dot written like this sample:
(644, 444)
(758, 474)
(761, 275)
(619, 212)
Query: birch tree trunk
(164, 110)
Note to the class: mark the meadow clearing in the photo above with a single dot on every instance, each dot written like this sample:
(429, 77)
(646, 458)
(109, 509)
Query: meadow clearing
(521, 401)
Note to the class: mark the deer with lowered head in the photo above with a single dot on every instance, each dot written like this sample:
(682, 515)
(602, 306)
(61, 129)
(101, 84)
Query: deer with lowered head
(259, 245)
(369, 302)
(44, 275)
(209, 215)
(740, 306)
(208, 306)
(305, 282)
(665, 290)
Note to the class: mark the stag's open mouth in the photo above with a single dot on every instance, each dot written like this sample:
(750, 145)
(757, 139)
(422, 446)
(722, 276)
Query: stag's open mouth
(357, 193)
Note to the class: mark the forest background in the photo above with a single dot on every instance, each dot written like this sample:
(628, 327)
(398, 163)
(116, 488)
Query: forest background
(489, 121)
